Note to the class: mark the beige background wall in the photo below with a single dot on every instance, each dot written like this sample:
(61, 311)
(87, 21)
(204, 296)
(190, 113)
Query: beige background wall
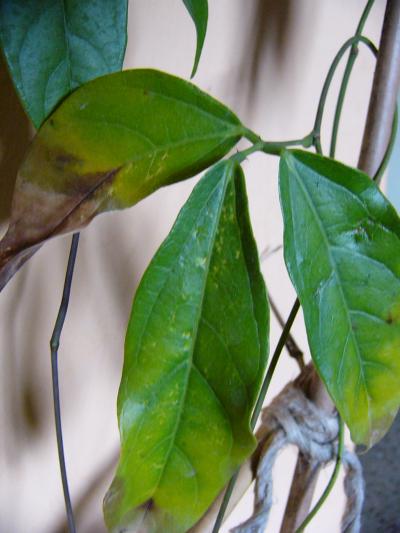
(267, 60)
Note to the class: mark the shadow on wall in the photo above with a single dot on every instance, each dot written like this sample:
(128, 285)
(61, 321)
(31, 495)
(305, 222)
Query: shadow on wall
(18, 394)
(15, 135)
(270, 32)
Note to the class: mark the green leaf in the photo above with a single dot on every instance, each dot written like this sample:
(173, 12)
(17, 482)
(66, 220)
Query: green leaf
(54, 46)
(195, 353)
(342, 251)
(198, 10)
(108, 145)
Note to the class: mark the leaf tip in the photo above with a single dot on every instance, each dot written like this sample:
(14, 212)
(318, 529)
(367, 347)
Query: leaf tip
(194, 70)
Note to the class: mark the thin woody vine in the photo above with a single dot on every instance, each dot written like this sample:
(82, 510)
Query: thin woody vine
(196, 368)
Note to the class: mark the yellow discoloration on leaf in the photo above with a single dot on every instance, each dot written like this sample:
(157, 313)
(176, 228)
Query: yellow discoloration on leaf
(191, 385)
(347, 276)
(111, 143)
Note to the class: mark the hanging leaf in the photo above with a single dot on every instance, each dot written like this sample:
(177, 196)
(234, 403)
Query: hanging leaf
(110, 144)
(195, 353)
(198, 10)
(342, 251)
(54, 46)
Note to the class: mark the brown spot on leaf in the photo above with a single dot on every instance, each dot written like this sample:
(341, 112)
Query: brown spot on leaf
(149, 505)
(63, 160)
(393, 315)
(40, 214)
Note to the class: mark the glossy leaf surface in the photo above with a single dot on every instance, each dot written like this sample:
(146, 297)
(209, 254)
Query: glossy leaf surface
(342, 251)
(195, 353)
(54, 46)
(108, 145)
(198, 10)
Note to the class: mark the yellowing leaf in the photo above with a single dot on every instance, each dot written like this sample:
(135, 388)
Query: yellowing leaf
(111, 143)
(195, 354)
(342, 250)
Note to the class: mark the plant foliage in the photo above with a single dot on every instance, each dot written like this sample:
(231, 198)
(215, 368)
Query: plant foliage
(198, 10)
(342, 249)
(54, 46)
(195, 354)
(197, 341)
(108, 145)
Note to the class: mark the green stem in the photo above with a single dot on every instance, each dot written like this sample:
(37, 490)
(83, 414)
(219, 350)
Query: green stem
(252, 136)
(258, 407)
(332, 481)
(270, 147)
(378, 176)
(346, 78)
(274, 362)
(225, 502)
(324, 93)
(239, 157)
(275, 148)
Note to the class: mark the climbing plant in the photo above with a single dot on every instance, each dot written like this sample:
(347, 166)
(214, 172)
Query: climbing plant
(194, 377)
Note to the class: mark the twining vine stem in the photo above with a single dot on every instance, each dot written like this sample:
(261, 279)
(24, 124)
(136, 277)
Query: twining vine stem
(324, 93)
(291, 345)
(385, 87)
(342, 92)
(382, 167)
(258, 407)
(312, 139)
(346, 77)
(54, 345)
(332, 481)
(273, 363)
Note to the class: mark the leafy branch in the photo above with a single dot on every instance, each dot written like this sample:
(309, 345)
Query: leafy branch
(194, 380)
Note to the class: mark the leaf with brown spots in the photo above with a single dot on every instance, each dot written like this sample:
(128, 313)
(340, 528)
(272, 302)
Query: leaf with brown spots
(110, 144)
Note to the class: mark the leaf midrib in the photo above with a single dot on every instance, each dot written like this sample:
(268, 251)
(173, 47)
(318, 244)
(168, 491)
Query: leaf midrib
(153, 151)
(67, 46)
(98, 185)
(230, 120)
(338, 285)
(195, 331)
(167, 275)
(202, 111)
(362, 204)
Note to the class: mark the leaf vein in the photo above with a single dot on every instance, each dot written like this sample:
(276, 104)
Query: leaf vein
(227, 350)
(333, 264)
